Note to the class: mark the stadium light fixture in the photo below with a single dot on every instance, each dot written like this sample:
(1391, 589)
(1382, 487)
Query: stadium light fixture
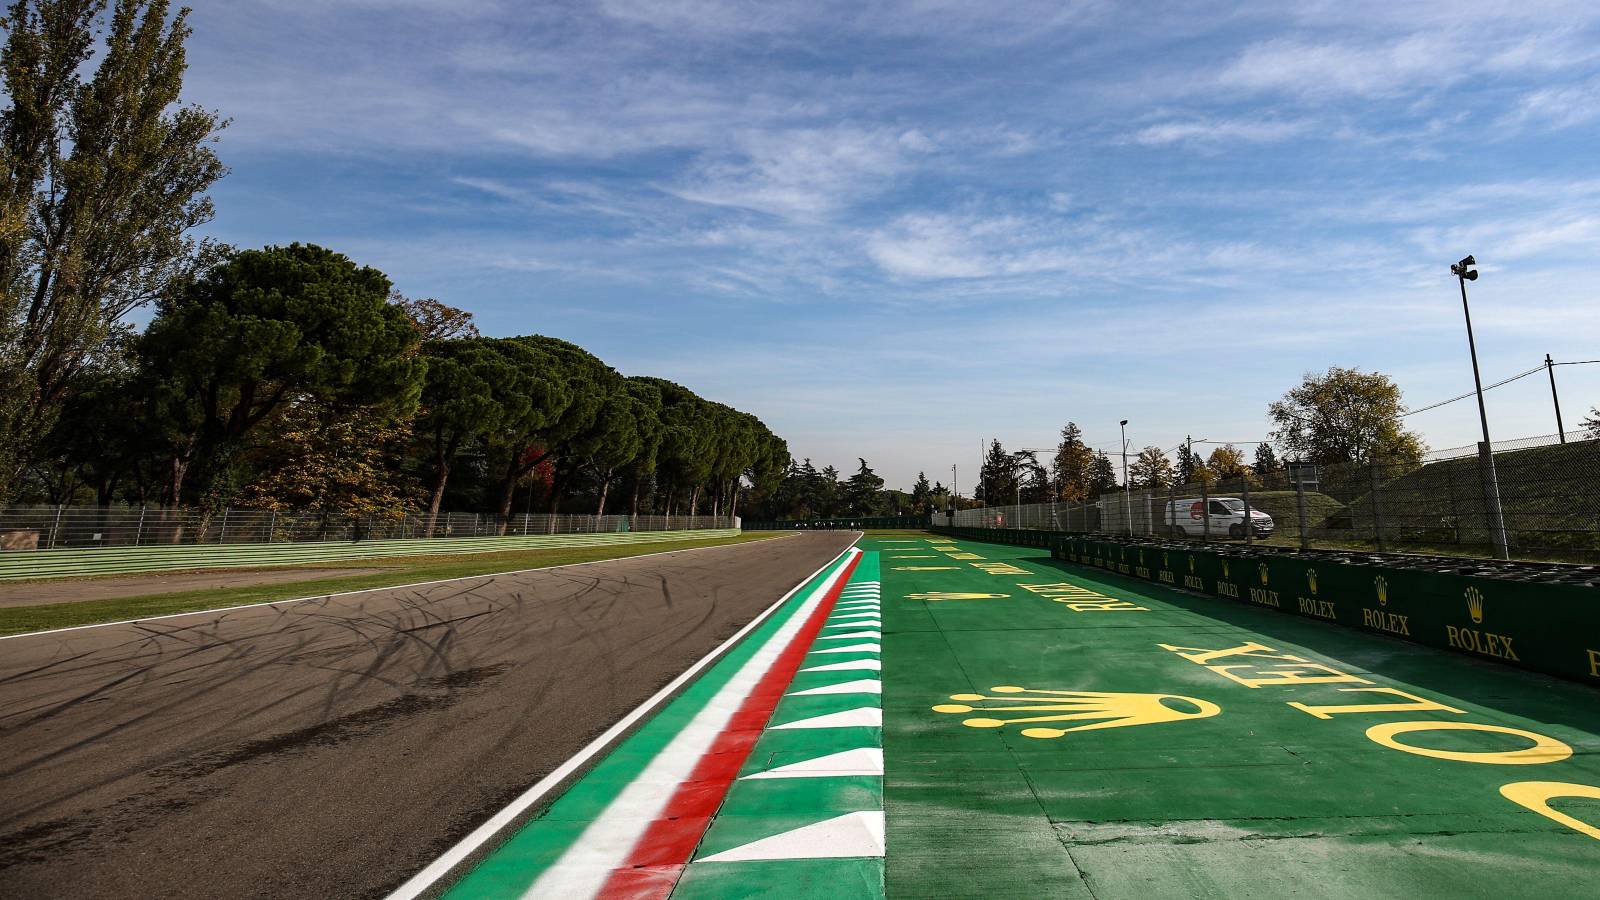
(1464, 273)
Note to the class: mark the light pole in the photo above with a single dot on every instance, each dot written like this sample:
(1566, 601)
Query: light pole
(1491, 483)
(1127, 507)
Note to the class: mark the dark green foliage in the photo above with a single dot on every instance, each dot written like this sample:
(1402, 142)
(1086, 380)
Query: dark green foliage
(262, 329)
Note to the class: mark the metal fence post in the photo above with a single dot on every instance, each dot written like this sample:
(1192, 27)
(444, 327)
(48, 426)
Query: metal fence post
(138, 532)
(1300, 506)
(55, 527)
(272, 526)
(1172, 509)
(1249, 524)
(222, 533)
(1205, 512)
(1377, 506)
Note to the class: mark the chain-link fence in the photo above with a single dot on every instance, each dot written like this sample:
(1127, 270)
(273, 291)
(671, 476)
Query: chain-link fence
(1549, 507)
(48, 527)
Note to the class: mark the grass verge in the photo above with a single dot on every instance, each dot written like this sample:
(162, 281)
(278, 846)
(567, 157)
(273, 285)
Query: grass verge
(406, 570)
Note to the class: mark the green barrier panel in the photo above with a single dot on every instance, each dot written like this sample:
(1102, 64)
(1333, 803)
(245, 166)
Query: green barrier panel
(1546, 627)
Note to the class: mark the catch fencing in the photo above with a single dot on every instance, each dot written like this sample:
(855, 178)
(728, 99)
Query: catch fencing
(1549, 500)
(53, 527)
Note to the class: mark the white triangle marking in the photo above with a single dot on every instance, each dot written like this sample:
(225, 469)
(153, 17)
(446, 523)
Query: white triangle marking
(860, 761)
(847, 666)
(853, 648)
(863, 622)
(850, 835)
(860, 686)
(849, 637)
(864, 716)
(859, 615)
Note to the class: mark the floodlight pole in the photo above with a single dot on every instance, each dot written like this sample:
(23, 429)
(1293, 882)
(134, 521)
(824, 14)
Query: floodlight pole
(1491, 482)
(1127, 507)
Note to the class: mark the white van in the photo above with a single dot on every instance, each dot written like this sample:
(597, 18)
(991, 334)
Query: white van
(1187, 518)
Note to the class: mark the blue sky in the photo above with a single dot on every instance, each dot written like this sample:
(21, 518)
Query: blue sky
(897, 230)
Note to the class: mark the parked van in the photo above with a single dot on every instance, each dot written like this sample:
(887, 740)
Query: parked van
(1187, 518)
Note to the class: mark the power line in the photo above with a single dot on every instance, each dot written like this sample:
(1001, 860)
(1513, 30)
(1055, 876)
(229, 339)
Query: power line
(1487, 387)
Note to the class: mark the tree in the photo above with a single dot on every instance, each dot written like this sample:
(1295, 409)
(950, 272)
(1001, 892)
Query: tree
(100, 182)
(1102, 475)
(1591, 425)
(862, 492)
(828, 492)
(1150, 469)
(343, 463)
(921, 494)
(575, 387)
(1227, 463)
(1187, 462)
(266, 328)
(1344, 416)
(436, 321)
(1071, 465)
(1266, 460)
(1032, 479)
(471, 389)
(997, 480)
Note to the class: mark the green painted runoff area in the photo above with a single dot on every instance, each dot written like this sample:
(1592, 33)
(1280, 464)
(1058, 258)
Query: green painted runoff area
(173, 557)
(1192, 746)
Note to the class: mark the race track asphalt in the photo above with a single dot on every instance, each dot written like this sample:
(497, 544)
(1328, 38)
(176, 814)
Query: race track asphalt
(333, 747)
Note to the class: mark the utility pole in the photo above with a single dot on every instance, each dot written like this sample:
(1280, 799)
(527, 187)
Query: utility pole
(1491, 483)
(1550, 366)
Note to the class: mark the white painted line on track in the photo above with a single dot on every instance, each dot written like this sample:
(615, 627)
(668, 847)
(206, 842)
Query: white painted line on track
(392, 587)
(422, 882)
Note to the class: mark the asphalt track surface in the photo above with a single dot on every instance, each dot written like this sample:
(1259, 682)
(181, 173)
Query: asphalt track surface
(333, 747)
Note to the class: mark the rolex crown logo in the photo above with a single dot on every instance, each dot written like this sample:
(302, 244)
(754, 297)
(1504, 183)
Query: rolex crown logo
(1191, 565)
(1311, 580)
(1095, 709)
(1475, 604)
(1165, 563)
(1262, 569)
(947, 595)
(1225, 569)
(1382, 584)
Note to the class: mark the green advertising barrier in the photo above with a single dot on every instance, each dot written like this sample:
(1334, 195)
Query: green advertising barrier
(1547, 627)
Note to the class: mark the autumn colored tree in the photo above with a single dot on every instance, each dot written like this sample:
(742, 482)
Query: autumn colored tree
(1344, 416)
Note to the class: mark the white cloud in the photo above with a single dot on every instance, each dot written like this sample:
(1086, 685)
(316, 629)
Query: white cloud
(1217, 131)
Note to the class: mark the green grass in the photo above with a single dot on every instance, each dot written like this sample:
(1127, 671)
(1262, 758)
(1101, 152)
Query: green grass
(406, 570)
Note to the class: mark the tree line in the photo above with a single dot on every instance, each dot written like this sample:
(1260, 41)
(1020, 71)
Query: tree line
(288, 377)
(1340, 417)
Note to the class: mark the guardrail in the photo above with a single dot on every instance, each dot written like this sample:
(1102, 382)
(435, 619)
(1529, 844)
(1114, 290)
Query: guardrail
(175, 557)
(51, 527)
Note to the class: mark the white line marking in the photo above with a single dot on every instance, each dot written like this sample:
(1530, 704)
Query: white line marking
(422, 881)
(860, 686)
(392, 587)
(853, 648)
(854, 635)
(848, 665)
(854, 834)
(861, 717)
(860, 761)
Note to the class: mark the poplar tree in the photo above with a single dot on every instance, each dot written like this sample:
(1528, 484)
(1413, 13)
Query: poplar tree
(101, 180)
